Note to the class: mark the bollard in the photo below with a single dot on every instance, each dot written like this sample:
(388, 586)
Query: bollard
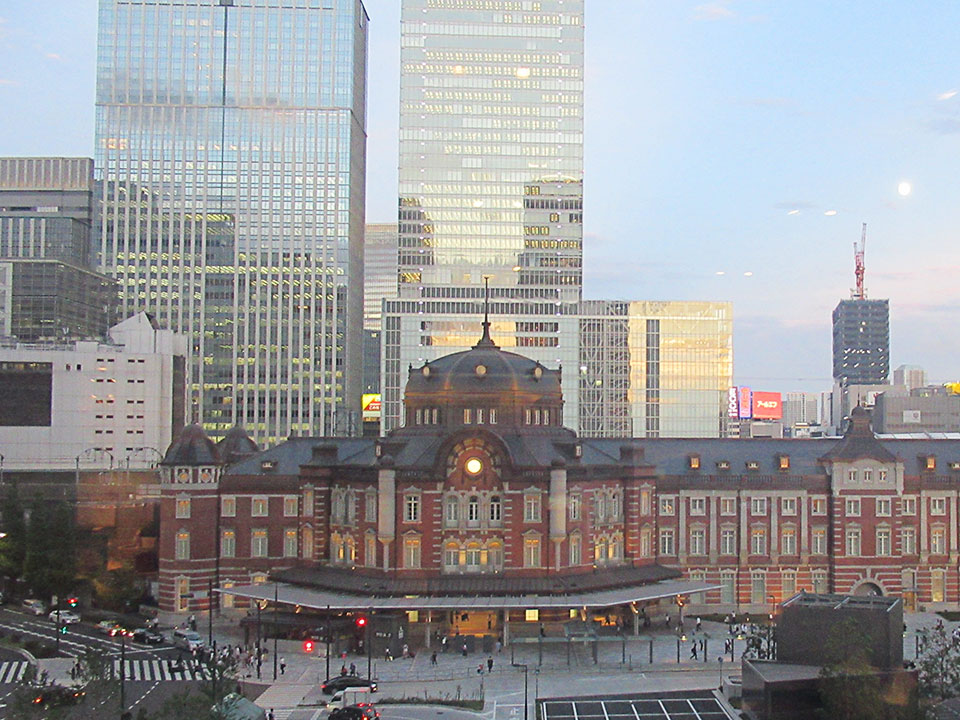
(651, 651)
(705, 641)
(678, 651)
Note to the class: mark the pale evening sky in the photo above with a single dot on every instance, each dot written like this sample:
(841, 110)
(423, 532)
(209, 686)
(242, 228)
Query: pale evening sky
(719, 136)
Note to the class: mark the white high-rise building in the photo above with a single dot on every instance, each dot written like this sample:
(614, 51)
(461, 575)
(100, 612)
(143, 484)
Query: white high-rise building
(93, 404)
(491, 186)
(231, 140)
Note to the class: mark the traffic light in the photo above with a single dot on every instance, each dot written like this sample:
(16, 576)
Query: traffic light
(361, 621)
(308, 646)
(73, 601)
(63, 630)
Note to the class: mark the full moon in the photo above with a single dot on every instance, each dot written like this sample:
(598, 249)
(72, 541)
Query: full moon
(904, 188)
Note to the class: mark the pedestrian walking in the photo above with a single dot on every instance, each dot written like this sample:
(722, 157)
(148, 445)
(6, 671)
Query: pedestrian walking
(499, 647)
(667, 620)
(270, 715)
(283, 665)
(443, 644)
(406, 650)
(193, 623)
(480, 669)
(489, 664)
(464, 649)
(353, 668)
(433, 658)
(343, 670)
(693, 650)
(699, 624)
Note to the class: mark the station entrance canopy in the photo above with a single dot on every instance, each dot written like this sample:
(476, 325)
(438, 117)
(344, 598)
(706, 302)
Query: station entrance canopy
(324, 599)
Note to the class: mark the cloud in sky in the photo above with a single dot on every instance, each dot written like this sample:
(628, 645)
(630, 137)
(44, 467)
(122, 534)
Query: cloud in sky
(53, 56)
(8, 82)
(718, 10)
(946, 95)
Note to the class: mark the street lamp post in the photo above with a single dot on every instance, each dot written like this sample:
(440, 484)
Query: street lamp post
(526, 702)
(368, 639)
(327, 638)
(259, 640)
(276, 598)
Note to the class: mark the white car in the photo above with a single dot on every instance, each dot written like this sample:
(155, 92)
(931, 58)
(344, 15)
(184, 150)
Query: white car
(67, 617)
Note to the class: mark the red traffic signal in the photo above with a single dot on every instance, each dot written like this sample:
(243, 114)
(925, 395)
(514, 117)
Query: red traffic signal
(72, 601)
(308, 646)
(361, 621)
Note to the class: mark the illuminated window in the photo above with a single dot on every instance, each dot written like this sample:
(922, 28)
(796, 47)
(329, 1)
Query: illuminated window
(182, 548)
(290, 548)
(667, 505)
(788, 541)
(290, 506)
(183, 508)
(259, 506)
(258, 543)
(531, 552)
(228, 543)
(411, 552)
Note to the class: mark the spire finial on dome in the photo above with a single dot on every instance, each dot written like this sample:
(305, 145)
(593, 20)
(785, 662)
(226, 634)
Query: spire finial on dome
(485, 339)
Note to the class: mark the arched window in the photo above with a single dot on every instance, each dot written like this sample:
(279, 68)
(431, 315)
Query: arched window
(452, 515)
(336, 548)
(350, 550)
(451, 556)
(473, 557)
(495, 556)
(575, 549)
(496, 509)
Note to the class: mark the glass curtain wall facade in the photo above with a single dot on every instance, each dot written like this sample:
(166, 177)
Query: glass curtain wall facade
(491, 184)
(655, 369)
(231, 145)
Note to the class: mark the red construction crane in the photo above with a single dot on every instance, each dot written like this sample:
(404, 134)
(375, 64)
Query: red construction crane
(860, 293)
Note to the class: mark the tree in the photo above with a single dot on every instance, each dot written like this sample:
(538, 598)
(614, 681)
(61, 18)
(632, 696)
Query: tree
(48, 565)
(205, 701)
(939, 665)
(13, 546)
(852, 688)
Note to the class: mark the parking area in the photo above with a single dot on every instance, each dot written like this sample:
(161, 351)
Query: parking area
(694, 705)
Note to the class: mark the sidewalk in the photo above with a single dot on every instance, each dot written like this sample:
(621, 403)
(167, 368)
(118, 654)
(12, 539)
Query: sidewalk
(616, 656)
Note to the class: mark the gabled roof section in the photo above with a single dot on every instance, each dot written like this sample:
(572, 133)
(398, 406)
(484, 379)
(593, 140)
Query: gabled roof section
(859, 442)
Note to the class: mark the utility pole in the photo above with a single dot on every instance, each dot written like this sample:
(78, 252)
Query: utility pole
(276, 593)
(210, 614)
(369, 644)
(327, 638)
(123, 658)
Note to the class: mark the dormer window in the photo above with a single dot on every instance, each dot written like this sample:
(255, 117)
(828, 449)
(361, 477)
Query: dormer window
(578, 450)
(419, 417)
(783, 462)
(467, 416)
(723, 465)
(693, 462)
(955, 465)
(930, 462)
(268, 465)
(752, 465)
(493, 416)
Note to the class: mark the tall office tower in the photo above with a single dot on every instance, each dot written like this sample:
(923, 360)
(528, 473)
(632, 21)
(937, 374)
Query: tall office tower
(491, 185)
(47, 290)
(231, 144)
(655, 369)
(379, 271)
(861, 342)
(801, 408)
(910, 376)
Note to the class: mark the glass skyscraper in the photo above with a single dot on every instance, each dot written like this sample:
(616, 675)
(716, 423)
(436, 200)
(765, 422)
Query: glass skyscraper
(231, 148)
(491, 184)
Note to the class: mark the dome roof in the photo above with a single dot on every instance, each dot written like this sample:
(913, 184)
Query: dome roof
(192, 447)
(236, 445)
(483, 369)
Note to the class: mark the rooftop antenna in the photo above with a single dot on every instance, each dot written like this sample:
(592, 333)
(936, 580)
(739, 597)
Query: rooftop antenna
(858, 250)
(485, 340)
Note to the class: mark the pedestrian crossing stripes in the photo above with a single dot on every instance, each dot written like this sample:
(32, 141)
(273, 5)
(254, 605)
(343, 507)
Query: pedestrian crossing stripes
(158, 671)
(11, 672)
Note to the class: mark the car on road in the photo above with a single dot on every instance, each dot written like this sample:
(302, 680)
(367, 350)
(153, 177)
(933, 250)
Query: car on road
(187, 640)
(360, 711)
(344, 682)
(66, 617)
(55, 696)
(37, 607)
(110, 627)
(147, 636)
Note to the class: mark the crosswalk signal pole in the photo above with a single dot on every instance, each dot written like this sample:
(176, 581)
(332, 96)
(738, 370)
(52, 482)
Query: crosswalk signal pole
(123, 658)
(58, 630)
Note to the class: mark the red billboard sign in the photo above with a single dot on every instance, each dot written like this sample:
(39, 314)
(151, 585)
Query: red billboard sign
(767, 406)
(746, 408)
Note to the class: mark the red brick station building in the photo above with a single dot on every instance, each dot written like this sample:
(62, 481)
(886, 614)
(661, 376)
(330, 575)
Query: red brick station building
(483, 514)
